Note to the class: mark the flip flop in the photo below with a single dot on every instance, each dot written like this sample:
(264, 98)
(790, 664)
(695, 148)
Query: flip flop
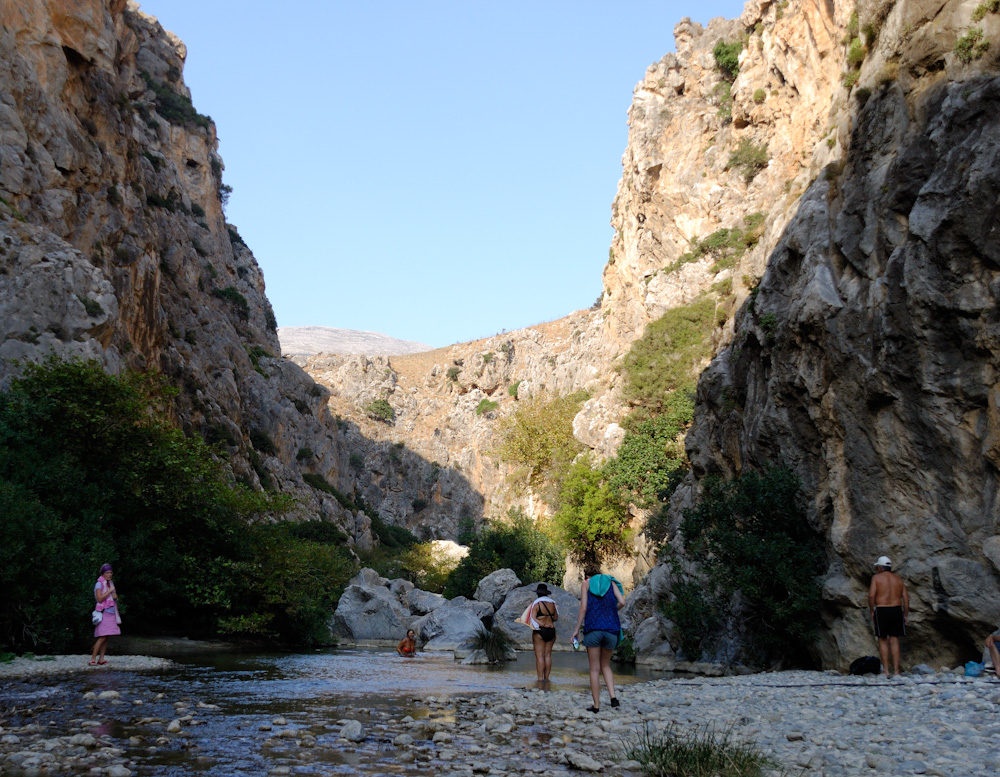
(101, 663)
(93, 663)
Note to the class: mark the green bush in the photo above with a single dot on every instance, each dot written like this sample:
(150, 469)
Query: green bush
(856, 53)
(231, 295)
(650, 460)
(727, 59)
(669, 356)
(727, 244)
(759, 95)
(849, 78)
(486, 406)
(452, 373)
(972, 45)
(518, 544)
(749, 157)
(356, 462)
(752, 537)
(537, 438)
(92, 470)
(512, 388)
(92, 306)
(262, 441)
(990, 6)
(592, 520)
(425, 567)
(723, 93)
(174, 107)
(380, 410)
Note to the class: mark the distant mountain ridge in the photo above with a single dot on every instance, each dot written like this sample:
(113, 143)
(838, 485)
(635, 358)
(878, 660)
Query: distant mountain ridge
(310, 340)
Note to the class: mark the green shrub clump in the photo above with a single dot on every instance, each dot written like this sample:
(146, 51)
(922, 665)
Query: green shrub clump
(592, 519)
(760, 560)
(651, 461)
(175, 107)
(668, 357)
(537, 438)
(990, 6)
(518, 544)
(727, 59)
(726, 245)
(92, 470)
(749, 157)
(759, 95)
(486, 406)
(231, 295)
(380, 410)
(972, 45)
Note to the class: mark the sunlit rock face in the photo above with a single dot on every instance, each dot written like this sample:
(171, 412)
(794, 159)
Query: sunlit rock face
(868, 360)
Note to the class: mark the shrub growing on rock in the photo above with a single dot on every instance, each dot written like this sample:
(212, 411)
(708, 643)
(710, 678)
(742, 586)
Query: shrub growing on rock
(760, 559)
(518, 544)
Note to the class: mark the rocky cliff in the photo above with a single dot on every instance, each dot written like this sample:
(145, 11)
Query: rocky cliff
(835, 185)
(114, 243)
(867, 361)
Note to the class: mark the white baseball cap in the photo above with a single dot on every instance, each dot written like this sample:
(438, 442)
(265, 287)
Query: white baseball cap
(883, 561)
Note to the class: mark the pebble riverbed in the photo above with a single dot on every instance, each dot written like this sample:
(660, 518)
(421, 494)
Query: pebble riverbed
(815, 723)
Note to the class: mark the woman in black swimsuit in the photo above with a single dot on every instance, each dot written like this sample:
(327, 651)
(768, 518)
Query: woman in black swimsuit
(544, 612)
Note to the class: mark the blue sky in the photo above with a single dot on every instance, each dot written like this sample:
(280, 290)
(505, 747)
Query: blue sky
(435, 171)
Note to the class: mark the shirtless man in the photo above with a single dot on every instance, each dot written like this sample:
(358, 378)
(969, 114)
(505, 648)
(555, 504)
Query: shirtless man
(890, 609)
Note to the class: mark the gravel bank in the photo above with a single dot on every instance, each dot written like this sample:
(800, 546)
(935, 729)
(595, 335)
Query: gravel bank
(43, 665)
(820, 724)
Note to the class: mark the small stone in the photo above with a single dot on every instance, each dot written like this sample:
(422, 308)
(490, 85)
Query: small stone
(353, 731)
(173, 727)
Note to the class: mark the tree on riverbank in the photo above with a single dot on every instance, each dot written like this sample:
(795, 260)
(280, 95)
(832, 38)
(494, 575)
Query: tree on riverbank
(93, 470)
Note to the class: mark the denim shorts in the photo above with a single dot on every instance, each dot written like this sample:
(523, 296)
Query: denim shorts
(601, 639)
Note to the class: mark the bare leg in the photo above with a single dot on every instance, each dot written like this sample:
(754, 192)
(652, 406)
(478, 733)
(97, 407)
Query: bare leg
(539, 647)
(894, 648)
(99, 646)
(594, 660)
(883, 653)
(609, 679)
(991, 645)
(548, 659)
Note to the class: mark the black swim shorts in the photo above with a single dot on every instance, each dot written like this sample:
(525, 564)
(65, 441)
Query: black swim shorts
(889, 622)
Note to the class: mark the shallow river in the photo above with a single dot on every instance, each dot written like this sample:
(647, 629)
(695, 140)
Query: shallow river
(310, 693)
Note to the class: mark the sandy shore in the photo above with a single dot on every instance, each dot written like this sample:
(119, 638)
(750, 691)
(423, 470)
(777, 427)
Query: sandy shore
(45, 665)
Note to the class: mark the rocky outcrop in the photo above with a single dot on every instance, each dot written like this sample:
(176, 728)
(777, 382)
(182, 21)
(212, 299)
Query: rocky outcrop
(867, 360)
(114, 246)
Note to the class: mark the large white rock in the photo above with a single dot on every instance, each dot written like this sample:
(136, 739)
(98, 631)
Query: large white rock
(370, 613)
(495, 586)
(453, 625)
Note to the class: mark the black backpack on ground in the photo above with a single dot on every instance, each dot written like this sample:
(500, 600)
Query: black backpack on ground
(866, 665)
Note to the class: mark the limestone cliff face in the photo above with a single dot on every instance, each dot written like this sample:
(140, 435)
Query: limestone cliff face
(430, 467)
(875, 374)
(114, 245)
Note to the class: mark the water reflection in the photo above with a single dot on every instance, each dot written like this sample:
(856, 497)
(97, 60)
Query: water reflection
(248, 714)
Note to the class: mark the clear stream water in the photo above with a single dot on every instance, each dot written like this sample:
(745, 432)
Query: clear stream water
(313, 692)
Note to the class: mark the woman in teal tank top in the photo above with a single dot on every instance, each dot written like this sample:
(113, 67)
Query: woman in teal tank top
(601, 598)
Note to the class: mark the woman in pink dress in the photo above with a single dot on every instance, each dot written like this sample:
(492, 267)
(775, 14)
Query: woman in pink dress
(107, 605)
